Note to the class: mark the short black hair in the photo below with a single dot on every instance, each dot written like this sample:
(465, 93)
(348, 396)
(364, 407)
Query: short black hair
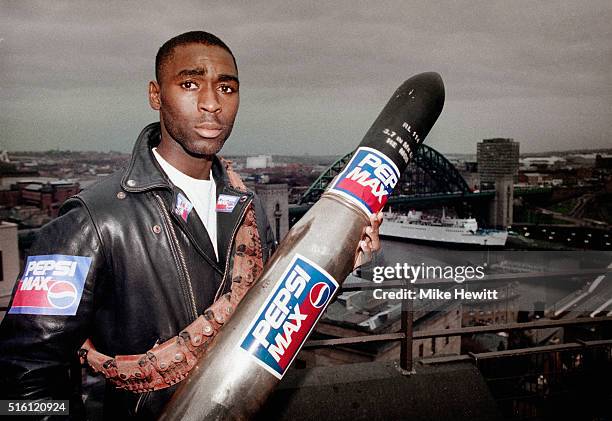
(192, 37)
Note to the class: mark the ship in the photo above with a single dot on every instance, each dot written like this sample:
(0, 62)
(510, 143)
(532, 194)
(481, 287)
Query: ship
(420, 227)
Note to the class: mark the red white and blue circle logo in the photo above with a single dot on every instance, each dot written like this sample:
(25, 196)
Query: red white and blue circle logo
(319, 295)
(62, 294)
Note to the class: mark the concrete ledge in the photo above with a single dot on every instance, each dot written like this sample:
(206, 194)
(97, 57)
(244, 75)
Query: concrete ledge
(378, 391)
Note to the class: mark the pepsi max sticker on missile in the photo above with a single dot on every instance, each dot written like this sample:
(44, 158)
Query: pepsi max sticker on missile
(51, 285)
(289, 314)
(367, 180)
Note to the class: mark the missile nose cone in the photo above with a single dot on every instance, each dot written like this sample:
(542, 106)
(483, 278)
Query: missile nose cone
(428, 85)
(432, 79)
(432, 82)
(432, 86)
(407, 118)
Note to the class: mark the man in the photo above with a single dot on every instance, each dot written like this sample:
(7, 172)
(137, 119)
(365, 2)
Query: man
(148, 264)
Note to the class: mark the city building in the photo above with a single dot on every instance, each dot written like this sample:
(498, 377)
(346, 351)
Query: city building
(488, 312)
(539, 179)
(469, 172)
(47, 196)
(541, 163)
(497, 157)
(259, 161)
(498, 163)
(9, 262)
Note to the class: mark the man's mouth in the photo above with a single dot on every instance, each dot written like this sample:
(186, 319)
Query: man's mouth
(209, 130)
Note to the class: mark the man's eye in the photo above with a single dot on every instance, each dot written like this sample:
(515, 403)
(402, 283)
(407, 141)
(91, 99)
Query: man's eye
(227, 89)
(189, 85)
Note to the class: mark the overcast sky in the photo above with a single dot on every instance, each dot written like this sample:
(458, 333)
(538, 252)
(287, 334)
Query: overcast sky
(73, 75)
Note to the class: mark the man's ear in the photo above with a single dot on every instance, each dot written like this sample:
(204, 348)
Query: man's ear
(154, 95)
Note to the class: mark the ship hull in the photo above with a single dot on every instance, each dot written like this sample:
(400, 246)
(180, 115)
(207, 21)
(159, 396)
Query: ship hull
(442, 234)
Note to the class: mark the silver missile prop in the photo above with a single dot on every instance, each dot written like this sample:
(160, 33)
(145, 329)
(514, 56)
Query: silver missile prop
(254, 350)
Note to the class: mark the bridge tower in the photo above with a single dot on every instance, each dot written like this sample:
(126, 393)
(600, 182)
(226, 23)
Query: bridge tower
(275, 201)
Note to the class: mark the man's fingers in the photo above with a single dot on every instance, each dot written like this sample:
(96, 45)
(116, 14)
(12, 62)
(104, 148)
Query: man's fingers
(375, 221)
(370, 242)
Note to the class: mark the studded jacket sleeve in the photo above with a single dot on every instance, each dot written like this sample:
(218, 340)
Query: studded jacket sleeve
(52, 308)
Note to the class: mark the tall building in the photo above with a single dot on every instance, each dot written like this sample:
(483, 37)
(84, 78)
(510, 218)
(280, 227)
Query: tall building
(497, 157)
(498, 163)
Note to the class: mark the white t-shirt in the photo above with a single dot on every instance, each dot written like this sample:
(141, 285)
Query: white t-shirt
(201, 193)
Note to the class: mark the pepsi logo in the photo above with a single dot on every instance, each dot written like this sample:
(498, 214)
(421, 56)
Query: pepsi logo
(62, 294)
(319, 295)
(289, 314)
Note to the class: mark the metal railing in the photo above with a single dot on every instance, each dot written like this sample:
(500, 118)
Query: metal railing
(406, 336)
(562, 381)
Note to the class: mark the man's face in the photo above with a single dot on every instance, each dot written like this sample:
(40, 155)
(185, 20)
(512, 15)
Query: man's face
(197, 96)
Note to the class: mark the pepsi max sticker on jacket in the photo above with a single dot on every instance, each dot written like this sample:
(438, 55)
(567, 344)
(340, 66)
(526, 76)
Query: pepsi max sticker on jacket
(51, 285)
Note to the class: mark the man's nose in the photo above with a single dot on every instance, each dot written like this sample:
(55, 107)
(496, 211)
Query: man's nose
(208, 101)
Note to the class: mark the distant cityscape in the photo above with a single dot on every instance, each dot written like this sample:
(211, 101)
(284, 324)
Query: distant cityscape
(34, 184)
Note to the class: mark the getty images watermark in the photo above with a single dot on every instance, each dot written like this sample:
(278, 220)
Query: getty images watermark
(412, 273)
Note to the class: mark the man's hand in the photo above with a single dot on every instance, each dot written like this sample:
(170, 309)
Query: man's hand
(370, 241)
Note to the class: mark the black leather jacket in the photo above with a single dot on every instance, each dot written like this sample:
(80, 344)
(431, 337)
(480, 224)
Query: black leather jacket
(151, 275)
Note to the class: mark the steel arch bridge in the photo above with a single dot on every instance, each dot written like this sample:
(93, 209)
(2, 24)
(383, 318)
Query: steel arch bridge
(428, 173)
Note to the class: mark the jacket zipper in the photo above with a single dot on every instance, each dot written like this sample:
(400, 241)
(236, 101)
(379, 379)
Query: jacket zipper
(179, 258)
(176, 250)
(229, 249)
(142, 397)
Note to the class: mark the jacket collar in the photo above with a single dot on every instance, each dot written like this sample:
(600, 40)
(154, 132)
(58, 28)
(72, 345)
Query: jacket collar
(144, 172)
